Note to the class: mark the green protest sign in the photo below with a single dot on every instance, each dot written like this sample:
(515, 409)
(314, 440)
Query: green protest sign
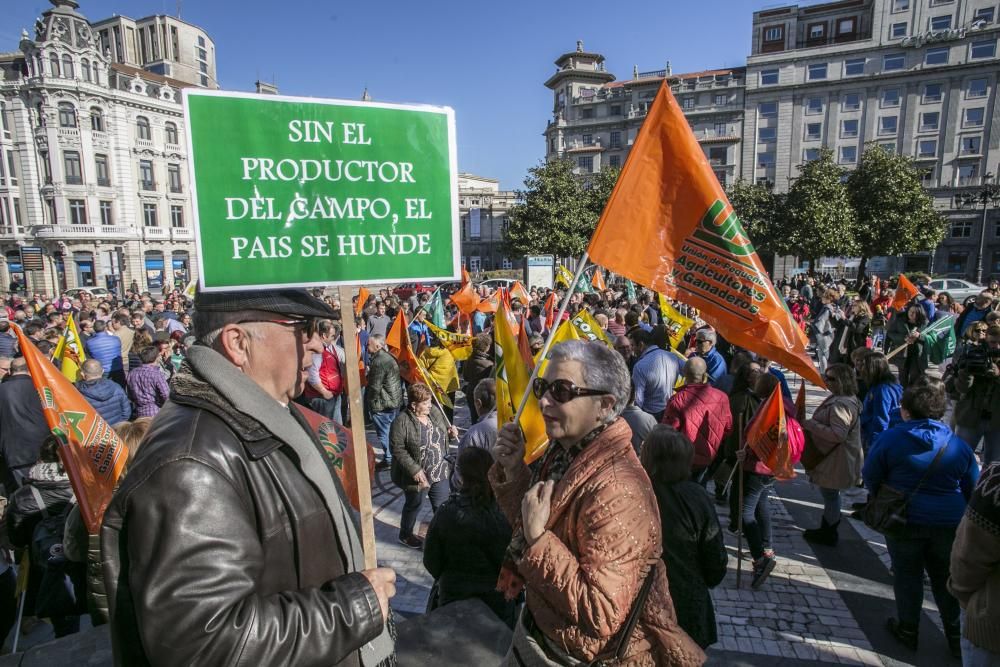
(299, 192)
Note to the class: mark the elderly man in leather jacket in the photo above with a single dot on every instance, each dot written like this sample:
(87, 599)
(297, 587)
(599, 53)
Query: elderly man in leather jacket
(231, 542)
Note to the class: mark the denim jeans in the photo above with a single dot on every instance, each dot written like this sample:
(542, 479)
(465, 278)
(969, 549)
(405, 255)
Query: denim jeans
(976, 656)
(328, 407)
(756, 513)
(916, 549)
(990, 438)
(438, 493)
(382, 422)
(831, 505)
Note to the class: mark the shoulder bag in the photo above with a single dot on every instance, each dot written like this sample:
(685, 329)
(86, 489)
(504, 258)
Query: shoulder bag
(886, 512)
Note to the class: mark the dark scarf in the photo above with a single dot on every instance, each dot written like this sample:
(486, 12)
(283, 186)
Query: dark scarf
(553, 466)
(984, 506)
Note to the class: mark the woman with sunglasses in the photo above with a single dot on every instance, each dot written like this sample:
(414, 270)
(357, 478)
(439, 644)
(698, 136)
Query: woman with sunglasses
(587, 530)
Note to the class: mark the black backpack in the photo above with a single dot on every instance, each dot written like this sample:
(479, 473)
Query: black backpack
(56, 592)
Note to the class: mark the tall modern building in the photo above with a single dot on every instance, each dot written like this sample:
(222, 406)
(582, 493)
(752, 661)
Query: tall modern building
(595, 117)
(93, 177)
(918, 77)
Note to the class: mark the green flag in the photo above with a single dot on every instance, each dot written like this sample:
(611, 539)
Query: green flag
(435, 309)
(630, 290)
(940, 337)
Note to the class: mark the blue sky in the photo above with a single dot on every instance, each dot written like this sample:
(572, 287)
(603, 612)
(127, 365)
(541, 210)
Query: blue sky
(486, 60)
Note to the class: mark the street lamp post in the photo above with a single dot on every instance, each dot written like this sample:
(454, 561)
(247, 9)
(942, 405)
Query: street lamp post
(988, 194)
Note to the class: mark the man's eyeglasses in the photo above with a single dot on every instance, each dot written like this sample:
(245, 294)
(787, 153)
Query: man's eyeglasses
(307, 327)
(562, 391)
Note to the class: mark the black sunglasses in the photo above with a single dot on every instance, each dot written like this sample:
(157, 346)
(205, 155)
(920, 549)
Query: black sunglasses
(562, 391)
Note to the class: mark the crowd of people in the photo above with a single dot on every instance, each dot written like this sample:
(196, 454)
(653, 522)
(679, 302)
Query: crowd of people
(604, 548)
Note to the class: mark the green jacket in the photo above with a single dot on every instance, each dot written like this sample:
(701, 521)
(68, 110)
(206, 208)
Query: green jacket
(384, 390)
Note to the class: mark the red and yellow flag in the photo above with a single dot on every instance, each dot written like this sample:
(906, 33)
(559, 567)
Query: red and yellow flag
(512, 374)
(767, 436)
(905, 291)
(91, 451)
(397, 340)
(359, 305)
(669, 226)
(597, 280)
(69, 351)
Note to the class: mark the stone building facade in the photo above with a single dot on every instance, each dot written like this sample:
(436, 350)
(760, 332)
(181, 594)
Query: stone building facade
(483, 210)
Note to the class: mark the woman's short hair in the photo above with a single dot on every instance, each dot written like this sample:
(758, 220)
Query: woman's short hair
(667, 455)
(473, 468)
(603, 368)
(132, 433)
(418, 393)
(875, 369)
(847, 384)
(925, 400)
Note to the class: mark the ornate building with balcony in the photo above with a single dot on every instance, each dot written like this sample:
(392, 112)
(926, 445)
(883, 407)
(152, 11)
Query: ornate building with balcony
(93, 164)
(595, 118)
(483, 209)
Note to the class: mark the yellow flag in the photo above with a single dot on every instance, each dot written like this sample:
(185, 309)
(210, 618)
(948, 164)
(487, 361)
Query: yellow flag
(191, 288)
(677, 325)
(69, 351)
(512, 383)
(460, 345)
(438, 368)
(564, 276)
(589, 328)
(566, 331)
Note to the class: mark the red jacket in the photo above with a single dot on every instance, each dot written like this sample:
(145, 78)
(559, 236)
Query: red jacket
(700, 412)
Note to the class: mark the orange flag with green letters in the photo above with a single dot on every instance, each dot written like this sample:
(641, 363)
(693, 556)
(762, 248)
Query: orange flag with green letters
(905, 291)
(92, 453)
(669, 226)
(767, 436)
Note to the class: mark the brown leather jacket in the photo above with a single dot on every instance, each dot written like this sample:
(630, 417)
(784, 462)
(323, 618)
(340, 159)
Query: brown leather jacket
(583, 574)
(218, 551)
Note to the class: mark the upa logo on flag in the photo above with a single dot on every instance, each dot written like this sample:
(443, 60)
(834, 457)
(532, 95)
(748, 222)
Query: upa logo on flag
(724, 232)
(327, 434)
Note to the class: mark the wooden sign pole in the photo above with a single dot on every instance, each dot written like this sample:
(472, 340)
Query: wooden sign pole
(358, 427)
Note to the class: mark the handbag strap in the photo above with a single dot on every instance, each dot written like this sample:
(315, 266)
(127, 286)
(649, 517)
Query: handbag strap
(927, 473)
(621, 641)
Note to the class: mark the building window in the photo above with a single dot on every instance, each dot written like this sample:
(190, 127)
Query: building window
(204, 81)
(721, 100)
(932, 93)
(765, 160)
(474, 264)
(986, 48)
(971, 145)
(900, 5)
(142, 129)
(957, 261)
(587, 139)
(68, 67)
(177, 217)
(814, 105)
(587, 113)
(893, 62)
(887, 124)
(688, 103)
(77, 212)
(721, 129)
(96, 119)
(890, 97)
(817, 31)
(54, 64)
(817, 72)
(846, 26)
(615, 161)
(849, 129)
(67, 115)
(615, 110)
(174, 177)
(848, 154)
(977, 88)
(149, 215)
(973, 117)
(940, 23)
(852, 102)
(774, 34)
(899, 30)
(814, 131)
(768, 134)
(146, 175)
(927, 148)
(888, 147)
(930, 121)
(984, 14)
(769, 77)
(107, 218)
(171, 133)
(718, 155)
(854, 67)
(810, 154)
(615, 139)
(937, 56)
(767, 109)
(961, 229)
(71, 163)
(928, 176)
(586, 164)
(101, 170)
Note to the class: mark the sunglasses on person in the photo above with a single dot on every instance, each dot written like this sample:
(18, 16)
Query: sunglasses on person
(562, 391)
(307, 327)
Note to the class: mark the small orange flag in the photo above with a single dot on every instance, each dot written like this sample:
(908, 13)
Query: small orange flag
(800, 401)
(904, 292)
(519, 292)
(551, 309)
(767, 436)
(466, 278)
(597, 281)
(491, 303)
(92, 453)
(466, 299)
(398, 341)
(359, 305)
(669, 226)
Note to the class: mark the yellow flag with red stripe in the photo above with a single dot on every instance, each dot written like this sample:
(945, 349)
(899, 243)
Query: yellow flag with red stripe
(69, 351)
(512, 376)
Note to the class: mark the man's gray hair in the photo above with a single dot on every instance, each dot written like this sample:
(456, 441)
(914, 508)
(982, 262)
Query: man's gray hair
(486, 393)
(378, 339)
(603, 368)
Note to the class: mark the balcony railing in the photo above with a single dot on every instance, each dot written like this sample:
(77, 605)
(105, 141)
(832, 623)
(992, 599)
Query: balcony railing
(6, 232)
(84, 232)
(144, 143)
(181, 234)
(155, 233)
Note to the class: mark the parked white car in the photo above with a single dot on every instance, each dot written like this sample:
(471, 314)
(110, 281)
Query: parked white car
(959, 290)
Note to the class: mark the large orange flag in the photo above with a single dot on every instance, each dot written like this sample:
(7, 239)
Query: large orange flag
(398, 341)
(905, 291)
(338, 444)
(767, 436)
(359, 305)
(91, 451)
(669, 226)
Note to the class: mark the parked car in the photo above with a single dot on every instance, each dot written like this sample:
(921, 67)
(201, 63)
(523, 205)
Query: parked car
(96, 292)
(959, 290)
(406, 290)
(497, 283)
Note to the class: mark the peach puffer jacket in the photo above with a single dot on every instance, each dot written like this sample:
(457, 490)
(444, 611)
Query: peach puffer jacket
(584, 572)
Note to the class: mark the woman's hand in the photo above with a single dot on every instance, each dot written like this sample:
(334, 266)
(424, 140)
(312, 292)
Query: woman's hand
(741, 454)
(453, 432)
(535, 510)
(421, 479)
(509, 450)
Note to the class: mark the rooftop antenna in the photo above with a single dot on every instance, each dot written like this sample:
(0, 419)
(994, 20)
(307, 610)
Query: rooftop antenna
(179, 4)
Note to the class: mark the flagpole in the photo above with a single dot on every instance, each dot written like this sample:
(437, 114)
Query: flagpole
(739, 529)
(20, 617)
(552, 334)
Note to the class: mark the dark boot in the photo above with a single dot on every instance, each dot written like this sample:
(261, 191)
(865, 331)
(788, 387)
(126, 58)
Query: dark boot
(825, 534)
(905, 634)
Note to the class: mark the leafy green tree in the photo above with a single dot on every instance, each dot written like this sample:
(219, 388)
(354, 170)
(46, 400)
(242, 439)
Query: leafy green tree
(895, 214)
(818, 216)
(598, 190)
(760, 209)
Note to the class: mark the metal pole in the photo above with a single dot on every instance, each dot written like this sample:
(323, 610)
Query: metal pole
(982, 241)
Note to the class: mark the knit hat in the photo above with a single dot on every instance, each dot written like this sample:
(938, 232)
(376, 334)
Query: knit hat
(297, 302)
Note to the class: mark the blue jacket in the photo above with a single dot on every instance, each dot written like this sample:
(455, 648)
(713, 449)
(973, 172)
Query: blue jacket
(108, 398)
(107, 349)
(782, 380)
(716, 365)
(654, 376)
(8, 344)
(876, 411)
(900, 457)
